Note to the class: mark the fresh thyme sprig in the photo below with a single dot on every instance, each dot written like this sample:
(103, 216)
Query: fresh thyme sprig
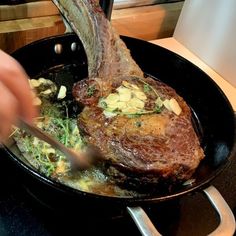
(147, 87)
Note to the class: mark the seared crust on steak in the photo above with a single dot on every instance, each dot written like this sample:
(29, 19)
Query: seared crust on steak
(153, 147)
(164, 147)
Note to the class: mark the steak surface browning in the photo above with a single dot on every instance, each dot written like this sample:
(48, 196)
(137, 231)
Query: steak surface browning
(146, 149)
(143, 144)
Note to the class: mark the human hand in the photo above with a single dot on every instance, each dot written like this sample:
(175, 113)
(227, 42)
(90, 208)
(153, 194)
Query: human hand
(16, 99)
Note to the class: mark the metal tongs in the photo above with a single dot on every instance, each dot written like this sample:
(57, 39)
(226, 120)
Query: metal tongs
(78, 160)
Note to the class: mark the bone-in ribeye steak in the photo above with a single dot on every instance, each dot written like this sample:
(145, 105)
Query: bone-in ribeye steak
(141, 126)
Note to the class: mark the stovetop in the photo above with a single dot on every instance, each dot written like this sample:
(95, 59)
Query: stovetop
(21, 214)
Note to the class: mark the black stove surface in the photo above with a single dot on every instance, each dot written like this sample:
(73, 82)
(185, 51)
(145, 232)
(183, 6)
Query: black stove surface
(21, 214)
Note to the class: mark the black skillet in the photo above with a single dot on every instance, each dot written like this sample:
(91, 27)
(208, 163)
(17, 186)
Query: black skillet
(212, 112)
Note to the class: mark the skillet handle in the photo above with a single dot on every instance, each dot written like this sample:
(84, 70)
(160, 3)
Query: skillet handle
(225, 228)
(227, 220)
(142, 221)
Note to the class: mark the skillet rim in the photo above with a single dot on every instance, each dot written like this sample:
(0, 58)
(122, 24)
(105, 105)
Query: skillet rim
(121, 199)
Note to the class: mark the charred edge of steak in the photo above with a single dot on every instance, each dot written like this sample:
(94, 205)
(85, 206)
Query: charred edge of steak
(141, 182)
(138, 178)
(164, 151)
(86, 92)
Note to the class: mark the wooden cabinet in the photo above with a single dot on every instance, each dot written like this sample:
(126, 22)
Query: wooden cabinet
(25, 23)
(147, 22)
(33, 20)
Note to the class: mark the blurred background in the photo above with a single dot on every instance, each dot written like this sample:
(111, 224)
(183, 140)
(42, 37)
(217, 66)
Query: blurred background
(24, 21)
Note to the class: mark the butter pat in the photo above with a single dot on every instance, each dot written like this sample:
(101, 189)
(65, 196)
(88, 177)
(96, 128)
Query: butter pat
(62, 92)
(172, 105)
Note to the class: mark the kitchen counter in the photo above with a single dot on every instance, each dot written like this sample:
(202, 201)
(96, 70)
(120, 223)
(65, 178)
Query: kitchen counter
(173, 45)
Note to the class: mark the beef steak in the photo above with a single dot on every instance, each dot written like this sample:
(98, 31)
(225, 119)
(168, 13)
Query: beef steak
(141, 126)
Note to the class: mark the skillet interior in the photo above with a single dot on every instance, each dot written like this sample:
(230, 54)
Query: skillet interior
(211, 109)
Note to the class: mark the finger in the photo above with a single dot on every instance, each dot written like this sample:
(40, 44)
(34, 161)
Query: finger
(15, 79)
(5, 130)
(8, 112)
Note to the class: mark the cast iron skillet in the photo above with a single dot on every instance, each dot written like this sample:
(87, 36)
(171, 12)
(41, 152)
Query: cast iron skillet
(212, 113)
